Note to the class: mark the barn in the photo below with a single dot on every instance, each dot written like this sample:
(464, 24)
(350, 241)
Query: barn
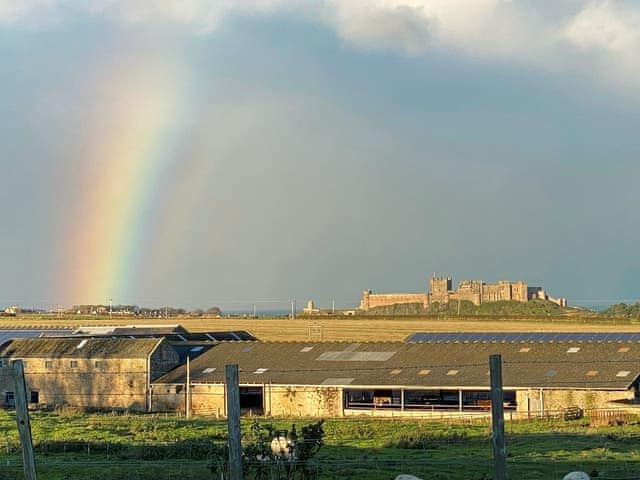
(101, 373)
(101, 367)
(404, 378)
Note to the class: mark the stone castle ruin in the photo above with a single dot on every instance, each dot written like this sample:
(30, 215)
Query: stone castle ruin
(474, 291)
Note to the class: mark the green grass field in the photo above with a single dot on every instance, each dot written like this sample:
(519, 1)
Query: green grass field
(71, 445)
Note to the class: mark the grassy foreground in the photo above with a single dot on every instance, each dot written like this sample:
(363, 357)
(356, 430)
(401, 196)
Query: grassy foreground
(72, 445)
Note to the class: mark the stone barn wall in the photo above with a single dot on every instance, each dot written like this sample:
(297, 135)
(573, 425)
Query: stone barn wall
(278, 400)
(299, 401)
(163, 359)
(529, 400)
(93, 383)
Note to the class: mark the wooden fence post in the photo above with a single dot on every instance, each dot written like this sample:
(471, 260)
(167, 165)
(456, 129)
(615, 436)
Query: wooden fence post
(233, 422)
(22, 419)
(497, 418)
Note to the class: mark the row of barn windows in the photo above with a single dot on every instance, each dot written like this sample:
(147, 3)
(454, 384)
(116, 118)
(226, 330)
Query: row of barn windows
(10, 398)
(48, 364)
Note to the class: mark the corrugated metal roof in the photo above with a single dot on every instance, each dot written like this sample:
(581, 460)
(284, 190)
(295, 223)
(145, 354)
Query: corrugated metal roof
(449, 337)
(417, 364)
(115, 332)
(51, 347)
(10, 333)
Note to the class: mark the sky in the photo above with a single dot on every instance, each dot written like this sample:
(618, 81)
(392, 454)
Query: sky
(213, 152)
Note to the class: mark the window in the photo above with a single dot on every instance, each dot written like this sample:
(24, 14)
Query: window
(99, 364)
(209, 370)
(73, 364)
(48, 364)
(424, 371)
(452, 372)
(623, 349)
(592, 373)
(35, 397)
(261, 370)
(395, 371)
(573, 350)
(306, 349)
(623, 373)
(525, 350)
(9, 399)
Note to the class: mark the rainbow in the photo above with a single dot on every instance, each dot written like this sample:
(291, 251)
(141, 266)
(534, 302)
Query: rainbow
(128, 144)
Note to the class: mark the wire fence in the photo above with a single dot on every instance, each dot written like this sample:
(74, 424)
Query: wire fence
(82, 465)
(437, 454)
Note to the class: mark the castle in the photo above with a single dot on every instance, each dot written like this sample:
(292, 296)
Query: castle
(474, 291)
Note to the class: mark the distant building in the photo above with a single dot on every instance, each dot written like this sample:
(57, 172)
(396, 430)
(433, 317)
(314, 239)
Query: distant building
(13, 310)
(474, 291)
(310, 309)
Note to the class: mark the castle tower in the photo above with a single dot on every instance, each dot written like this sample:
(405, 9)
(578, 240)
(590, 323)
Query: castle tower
(439, 287)
(364, 302)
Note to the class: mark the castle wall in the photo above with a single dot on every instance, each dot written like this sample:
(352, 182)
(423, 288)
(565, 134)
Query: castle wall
(519, 291)
(465, 296)
(495, 292)
(372, 300)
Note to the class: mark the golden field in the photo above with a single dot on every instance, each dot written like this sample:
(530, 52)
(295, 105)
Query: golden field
(336, 328)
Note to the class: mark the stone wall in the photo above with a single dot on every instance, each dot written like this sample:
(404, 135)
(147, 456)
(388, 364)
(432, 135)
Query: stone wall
(372, 300)
(298, 401)
(555, 400)
(321, 401)
(278, 400)
(94, 383)
(163, 359)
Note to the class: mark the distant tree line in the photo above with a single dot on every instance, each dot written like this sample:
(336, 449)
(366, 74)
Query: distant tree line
(622, 310)
(135, 310)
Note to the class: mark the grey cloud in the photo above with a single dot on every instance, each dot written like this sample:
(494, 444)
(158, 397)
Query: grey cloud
(400, 28)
